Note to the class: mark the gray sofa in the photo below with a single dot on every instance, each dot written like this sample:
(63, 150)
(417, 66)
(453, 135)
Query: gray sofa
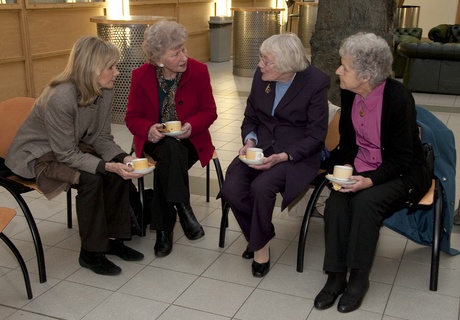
(403, 35)
(433, 67)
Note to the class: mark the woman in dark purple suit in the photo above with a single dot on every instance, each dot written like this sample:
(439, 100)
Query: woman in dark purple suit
(286, 116)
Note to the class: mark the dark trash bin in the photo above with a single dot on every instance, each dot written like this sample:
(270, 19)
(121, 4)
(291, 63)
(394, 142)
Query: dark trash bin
(221, 34)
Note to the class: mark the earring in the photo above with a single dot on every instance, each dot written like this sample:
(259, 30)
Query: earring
(161, 65)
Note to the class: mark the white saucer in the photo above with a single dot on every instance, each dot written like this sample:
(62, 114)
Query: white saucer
(256, 162)
(330, 177)
(145, 171)
(174, 133)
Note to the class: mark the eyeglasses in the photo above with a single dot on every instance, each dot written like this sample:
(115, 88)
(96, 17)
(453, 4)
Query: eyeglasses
(265, 62)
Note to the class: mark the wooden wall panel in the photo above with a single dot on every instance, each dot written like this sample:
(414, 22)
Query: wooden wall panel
(11, 44)
(36, 39)
(45, 69)
(195, 16)
(15, 84)
(198, 47)
(166, 9)
(63, 27)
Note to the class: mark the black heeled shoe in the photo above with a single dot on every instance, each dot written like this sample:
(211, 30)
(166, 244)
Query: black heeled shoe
(192, 229)
(163, 244)
(259, 270)
(248, 254)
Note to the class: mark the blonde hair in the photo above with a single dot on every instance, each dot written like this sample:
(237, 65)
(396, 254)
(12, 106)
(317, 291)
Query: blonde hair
(90, 55)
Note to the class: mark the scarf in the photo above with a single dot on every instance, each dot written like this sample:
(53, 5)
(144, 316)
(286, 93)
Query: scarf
(168, 109)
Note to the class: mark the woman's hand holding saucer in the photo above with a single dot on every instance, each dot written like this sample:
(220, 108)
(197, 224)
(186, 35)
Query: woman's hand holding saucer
(360, 184)
(123, 170)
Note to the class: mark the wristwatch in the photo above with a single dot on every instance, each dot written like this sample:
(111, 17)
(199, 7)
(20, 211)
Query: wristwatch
(289, 156)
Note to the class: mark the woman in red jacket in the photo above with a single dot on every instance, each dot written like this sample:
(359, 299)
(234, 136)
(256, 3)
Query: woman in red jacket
(171, 86)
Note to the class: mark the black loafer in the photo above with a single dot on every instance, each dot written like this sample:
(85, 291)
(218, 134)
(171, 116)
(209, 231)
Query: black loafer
(326, 298)
(118, 248)
(248, 254)
(98, 263)
(259, 270)
(163, 244)
(351, 301)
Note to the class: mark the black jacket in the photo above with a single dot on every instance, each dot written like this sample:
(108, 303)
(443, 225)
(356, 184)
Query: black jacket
(401, 147)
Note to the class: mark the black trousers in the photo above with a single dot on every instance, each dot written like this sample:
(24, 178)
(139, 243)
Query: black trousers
(102, 209)
(352, 224)
(171, 182)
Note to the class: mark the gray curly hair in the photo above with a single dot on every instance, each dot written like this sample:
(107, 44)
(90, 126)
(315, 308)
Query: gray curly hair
(370, 56)
(163, 36)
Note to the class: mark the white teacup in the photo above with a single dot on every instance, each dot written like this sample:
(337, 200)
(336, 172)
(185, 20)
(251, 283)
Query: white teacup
(342, 172)
(139, 164)
(254, 153)
(172, 126)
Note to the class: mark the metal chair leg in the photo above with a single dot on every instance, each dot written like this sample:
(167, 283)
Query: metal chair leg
(207, 182)
(223, 224)
(18, 256)
(35, 236)
(437, 229)
(69, 208)
(306, 219)
(224, 205)
(140, 185)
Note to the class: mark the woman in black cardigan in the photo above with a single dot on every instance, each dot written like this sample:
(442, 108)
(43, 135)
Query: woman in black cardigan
(379, 138)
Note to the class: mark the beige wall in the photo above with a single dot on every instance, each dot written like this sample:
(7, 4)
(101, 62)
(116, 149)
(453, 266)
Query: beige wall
(37, 36)
(434, 12)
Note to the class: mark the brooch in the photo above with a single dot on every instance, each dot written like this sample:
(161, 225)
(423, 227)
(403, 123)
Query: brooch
(267, 89)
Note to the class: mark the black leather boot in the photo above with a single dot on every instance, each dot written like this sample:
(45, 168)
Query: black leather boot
(192, 228)
(163, 244)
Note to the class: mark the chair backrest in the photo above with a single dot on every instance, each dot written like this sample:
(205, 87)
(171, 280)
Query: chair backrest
(13, 112)
(333, 136)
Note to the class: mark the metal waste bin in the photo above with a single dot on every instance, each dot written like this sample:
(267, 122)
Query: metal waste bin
(221, 34)
(407, 17)
(251, 26)
(307, 21)
(127, 33)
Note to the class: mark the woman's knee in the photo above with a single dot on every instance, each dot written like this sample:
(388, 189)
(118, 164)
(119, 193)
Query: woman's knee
(90, 181)
(261, 188)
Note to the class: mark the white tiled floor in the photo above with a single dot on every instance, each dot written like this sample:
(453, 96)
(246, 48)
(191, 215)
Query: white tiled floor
(199, 280)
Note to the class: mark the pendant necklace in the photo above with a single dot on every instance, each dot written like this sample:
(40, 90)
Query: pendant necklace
(361, 111)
